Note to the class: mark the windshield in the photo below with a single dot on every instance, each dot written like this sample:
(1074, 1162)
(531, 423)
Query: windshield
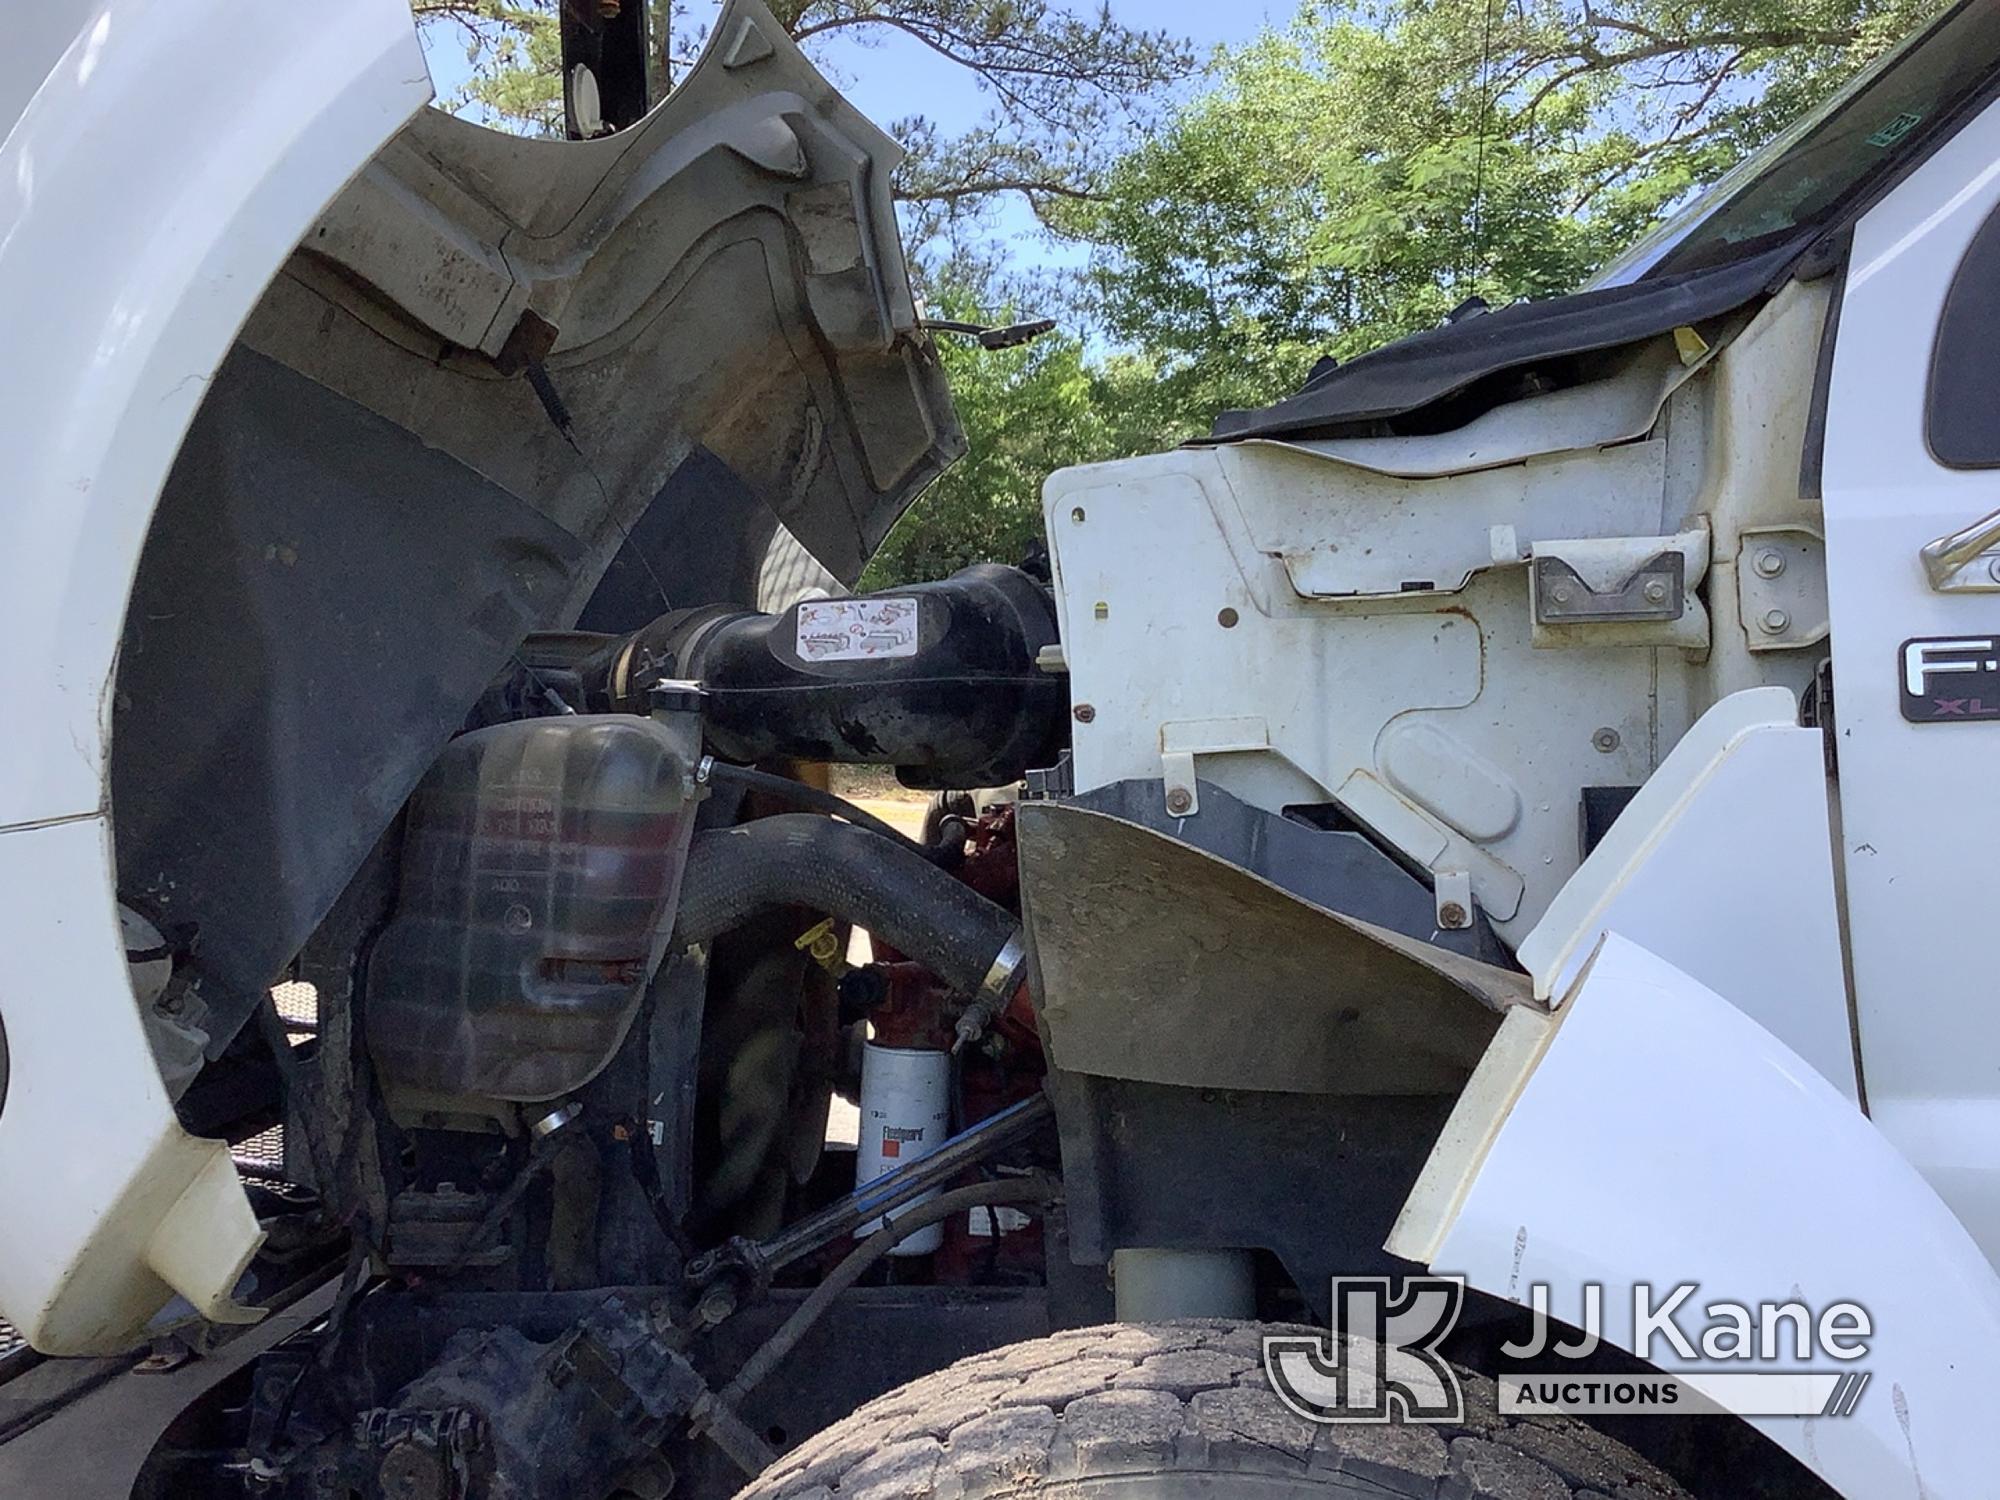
(1804, 179)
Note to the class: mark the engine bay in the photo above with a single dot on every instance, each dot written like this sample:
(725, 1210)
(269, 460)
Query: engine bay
(487, 668)
(594, 1005)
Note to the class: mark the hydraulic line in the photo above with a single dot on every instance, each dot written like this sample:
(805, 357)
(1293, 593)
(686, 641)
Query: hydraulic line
(772, 1351)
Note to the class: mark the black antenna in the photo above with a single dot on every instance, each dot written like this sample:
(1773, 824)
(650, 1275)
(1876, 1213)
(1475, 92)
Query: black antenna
(1479, 157)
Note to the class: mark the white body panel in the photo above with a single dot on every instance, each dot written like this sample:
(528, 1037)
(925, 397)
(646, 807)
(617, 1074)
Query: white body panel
(1723, 865)
(1352, 621)
(146, 196)
(1920, 814)
(1657, 1134)
(1386, 704)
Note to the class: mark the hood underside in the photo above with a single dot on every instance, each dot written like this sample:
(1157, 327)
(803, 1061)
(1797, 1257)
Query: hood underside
(503, 386)
(725, 279)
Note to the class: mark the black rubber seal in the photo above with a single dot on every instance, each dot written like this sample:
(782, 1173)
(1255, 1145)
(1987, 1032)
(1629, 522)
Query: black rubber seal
(1965, 359)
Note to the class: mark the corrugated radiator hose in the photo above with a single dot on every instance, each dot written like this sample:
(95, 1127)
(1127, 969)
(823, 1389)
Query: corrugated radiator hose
(882, 885)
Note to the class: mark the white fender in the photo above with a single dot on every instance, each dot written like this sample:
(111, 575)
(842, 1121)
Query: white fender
(1723, 865)
(155, 171)
(1649, 1131)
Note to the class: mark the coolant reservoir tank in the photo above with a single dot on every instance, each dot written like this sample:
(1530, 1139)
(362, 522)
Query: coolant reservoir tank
(541, 863)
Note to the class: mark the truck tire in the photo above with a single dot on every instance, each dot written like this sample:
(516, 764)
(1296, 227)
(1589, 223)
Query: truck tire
(1175, 1411)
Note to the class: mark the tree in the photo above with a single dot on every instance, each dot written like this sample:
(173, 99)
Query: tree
(1333, 185)
(1354, 177)
(1027, 412)
(1064, 86)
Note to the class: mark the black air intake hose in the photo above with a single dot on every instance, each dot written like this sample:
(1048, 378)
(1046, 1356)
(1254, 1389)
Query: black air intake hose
(888, 888)
(940, 680)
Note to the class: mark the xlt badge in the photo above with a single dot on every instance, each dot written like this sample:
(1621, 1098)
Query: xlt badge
(1951, 679)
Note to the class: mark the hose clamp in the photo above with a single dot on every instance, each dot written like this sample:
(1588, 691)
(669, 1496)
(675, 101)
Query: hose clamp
(556, 1119)
(1004, 976)
(674, 696)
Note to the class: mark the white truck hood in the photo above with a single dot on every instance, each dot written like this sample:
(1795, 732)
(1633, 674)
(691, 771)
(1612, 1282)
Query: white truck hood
(285, 498)
(504, 385)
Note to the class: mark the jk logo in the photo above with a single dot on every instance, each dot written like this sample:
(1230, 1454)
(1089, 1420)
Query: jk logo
(1381, 1362)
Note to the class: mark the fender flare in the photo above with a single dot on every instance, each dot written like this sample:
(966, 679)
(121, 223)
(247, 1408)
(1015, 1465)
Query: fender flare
(150, 186)
(1650, 1132)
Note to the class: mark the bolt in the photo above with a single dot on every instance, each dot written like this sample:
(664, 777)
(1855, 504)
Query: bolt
(1179, 800)
(1076, 515)
(1227, 619)
(1561, 595)
(411, 1472)
(717, 1305)
(1775, 621)
(1084, 713)
(1605, 739)
(1656, 592)
(1451, 914)
(1770, 563)
(1993, 569)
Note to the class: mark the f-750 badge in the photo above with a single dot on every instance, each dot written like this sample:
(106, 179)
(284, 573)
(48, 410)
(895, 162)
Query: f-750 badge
(1951, 679)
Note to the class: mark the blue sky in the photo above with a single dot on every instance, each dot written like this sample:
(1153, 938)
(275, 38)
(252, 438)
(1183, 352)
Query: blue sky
(900, 76)
(889, 77)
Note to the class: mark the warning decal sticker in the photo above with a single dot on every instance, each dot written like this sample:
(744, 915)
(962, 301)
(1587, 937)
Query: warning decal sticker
(857, 629)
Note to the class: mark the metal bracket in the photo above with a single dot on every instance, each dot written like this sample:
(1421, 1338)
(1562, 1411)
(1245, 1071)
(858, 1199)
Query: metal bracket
(1654, 592)
(1781, 587)
(1454, 899)
(1620, 591)
(1182, 740)
(1056, 781)
(1966, 562)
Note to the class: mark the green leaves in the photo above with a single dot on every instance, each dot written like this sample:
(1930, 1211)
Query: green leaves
(1352, 178)
(1027, 412)
(515, 56)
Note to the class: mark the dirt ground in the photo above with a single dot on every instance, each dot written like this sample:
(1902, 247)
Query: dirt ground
(879, 792)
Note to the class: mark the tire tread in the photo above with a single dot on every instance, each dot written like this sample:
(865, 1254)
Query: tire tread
(1140, 1399)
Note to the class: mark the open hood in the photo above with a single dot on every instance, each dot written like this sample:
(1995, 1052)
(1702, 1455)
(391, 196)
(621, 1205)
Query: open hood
(722, 285)
(503, 385)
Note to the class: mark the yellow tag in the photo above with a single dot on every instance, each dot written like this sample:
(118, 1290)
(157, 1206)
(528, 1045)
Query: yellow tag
(1693, 347)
